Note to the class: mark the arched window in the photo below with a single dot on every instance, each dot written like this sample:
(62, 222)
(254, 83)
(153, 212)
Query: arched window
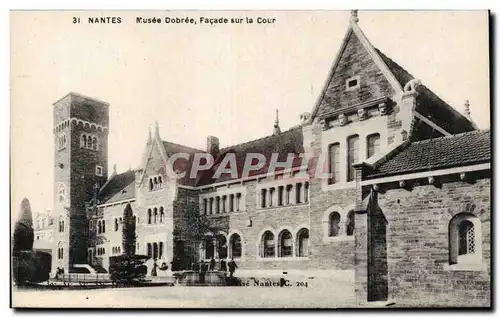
(62, 193)
(83, 141)
(103, 226)
(372, 145)
(155, 250)
(116, 225)
(465, 239)
(235, 246)
(94, 143)
(306, 192)
(466, 244)
(349, 226)
(162, 215)
(209, 247)
(149, 215)
(352, 155)
(89, 142)
(334, 224)
(150, 251)
(160, 181)
(221, 246)
(267, 244)
(155, 214)
(99, 227)
(303, 243)
(161, 250)
(156, 183)
(285, 244)
(150, 184)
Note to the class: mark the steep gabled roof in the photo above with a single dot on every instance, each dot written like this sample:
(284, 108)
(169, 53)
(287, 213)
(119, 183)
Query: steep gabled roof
(473, 147)
(288, 142)
(118, 188)
(429, 104)
(181, 164)
(354, 30)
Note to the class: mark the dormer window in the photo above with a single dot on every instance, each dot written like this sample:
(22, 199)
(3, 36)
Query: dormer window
(352, 83)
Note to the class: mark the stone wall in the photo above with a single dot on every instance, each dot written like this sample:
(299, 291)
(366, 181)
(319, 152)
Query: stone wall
(417, 241)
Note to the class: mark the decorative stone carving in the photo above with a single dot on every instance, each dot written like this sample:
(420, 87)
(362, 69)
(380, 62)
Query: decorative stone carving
(412, 85)
(362, 114)
(382, 108)
(342, 119)
(304, 117)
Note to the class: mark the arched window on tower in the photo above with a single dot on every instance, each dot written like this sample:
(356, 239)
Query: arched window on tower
(103, 226)
(155, 180)
(62, 193)
(162, 215)
(94, 143)
(89, 142)
(334, 224)
(83, 141)
(155, 214)
(116, 225)
(160, 182)
(99, 227)
(149, 216)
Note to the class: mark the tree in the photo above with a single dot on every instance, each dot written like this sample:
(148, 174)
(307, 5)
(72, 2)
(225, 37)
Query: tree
(28, 266)
(128, 268)
(128, 235)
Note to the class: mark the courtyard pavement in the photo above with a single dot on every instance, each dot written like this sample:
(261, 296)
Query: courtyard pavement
(319, 296)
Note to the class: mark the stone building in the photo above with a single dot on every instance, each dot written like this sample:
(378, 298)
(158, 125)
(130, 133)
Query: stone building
(407, 175)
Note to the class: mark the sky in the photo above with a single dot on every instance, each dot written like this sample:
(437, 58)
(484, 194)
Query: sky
(222, 80)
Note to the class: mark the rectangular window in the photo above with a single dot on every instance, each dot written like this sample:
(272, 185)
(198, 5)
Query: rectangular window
(98, 171)
(298, 188)
(372, 145)
(231, 203)
(334, 160)
(271, 196)
(280, 195)
(352, 155)
(352, 83)
(205, 206)
(217, 204)
(289, 194)
(224, 202)
(211, 208)
(263, 194)
(238, 202)
(306, 192)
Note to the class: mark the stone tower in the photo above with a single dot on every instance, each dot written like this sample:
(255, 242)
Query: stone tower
(80, 129)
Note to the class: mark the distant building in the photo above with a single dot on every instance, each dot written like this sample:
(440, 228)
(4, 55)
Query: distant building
(405, 213)
(43, 228)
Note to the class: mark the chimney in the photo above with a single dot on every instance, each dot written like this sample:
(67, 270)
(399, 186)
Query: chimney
(213, 146)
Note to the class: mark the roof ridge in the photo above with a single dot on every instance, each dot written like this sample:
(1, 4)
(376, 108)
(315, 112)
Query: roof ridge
(470, 132)
(262, 138)
(177, 144)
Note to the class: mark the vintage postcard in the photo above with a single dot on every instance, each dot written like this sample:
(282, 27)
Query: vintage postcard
(250, 159)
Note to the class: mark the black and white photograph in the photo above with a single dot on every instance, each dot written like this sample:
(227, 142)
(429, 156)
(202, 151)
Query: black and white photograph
(333, 159)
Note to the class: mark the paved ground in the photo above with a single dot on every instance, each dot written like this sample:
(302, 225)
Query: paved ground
(190, 297)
